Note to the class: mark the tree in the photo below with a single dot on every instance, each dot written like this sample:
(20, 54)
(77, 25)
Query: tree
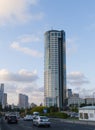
(53, 109)
(38, 109)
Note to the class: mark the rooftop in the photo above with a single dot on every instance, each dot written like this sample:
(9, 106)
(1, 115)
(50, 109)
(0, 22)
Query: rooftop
(87, 108)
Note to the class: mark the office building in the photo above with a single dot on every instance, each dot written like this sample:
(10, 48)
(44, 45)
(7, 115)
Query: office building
(1, 94)
(75, 94)
(23, 101)
(5, 100)
(69, 93)
(55, 69)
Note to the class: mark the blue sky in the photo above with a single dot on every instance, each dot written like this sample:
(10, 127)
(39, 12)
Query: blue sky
(22, 27)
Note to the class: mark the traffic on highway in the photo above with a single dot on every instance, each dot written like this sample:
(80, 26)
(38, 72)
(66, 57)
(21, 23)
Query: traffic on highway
(55, 125)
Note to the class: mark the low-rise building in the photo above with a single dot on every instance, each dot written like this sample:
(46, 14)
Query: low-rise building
(90, 101)
(75, 101)
(87, 113)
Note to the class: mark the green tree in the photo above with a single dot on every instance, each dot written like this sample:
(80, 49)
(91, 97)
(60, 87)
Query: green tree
(38, 109)
(53, 109)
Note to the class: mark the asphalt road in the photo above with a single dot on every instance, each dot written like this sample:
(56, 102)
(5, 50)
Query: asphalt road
(55, 125)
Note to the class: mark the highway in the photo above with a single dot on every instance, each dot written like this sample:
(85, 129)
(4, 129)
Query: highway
(55, 125)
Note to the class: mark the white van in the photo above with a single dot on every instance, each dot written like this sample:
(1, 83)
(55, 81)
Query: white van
(35, 114)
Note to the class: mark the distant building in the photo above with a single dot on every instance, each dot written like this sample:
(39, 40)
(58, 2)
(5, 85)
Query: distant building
(75, 95)
(69, 93)
(90, 101)
(33, 105)
(1, 94)
(76, 101)
(5, 100)
(87, 113)
(55, 69)
(12, 106)
(23, 101)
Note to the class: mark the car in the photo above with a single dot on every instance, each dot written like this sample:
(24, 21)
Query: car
(12, 119)
(74, 115)
(28, 118)
(6, 117)
(41, 121)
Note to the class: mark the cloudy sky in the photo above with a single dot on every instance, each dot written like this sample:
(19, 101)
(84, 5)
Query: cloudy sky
(22, 27)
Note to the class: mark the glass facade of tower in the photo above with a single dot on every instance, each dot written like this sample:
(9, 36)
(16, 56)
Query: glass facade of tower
(55, 69)
(2, 94)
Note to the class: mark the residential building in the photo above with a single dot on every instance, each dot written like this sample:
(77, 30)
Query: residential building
(23, 101)
(55, 69)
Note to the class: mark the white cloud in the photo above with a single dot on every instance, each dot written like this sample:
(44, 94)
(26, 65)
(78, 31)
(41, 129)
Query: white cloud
(29, 38)
(38, 97)
(34, 53)
(17, 10)
(24, 82)
(21, 76)
(77, 79)
(15, 45)
(10, 88)
(76, 75)
(30, 89)
(85, 93)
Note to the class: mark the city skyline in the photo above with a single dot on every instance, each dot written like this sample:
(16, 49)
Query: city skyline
(22, 27)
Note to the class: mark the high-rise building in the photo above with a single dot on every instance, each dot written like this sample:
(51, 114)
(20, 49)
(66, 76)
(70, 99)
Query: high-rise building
(1, 94)
(69, 93)
(55, 69)
(23, 101)
(5, 100)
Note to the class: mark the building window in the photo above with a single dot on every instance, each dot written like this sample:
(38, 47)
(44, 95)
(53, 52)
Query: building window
(52, 34)
(81, 115)
(58, 34)
(85, 115)
(91, 115)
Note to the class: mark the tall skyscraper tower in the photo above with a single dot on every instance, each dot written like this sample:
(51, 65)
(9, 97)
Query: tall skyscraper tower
(5, 100)
(55, 69)
(1, 94)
